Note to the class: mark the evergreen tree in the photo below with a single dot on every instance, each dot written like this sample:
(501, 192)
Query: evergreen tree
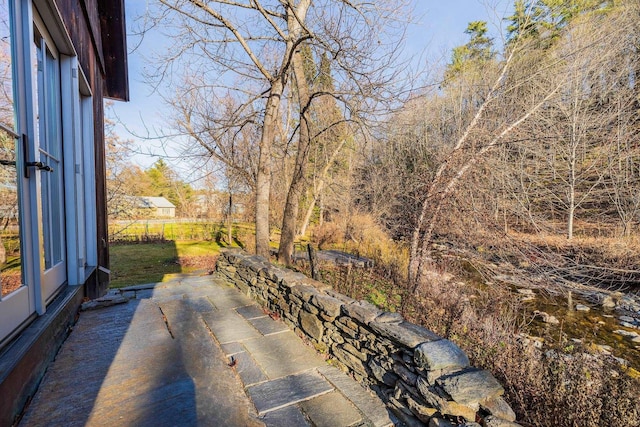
(478, 50)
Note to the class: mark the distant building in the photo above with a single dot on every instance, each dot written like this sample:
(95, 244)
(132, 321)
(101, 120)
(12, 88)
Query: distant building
(156, 207)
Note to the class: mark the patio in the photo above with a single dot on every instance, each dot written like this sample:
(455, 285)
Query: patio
(194, 351)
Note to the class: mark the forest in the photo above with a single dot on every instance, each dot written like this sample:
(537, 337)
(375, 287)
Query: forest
(514, 164)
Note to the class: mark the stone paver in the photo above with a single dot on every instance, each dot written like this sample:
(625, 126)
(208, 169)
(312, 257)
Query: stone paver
(330, 410)
(282, 354)
(251, 311)
(249, 372)
(285, 391)
(194, 351)
(229, 326)
(367, 403)
(268, 326)
(289, 416)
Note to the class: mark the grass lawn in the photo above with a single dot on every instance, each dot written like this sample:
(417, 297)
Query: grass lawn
(133, 264)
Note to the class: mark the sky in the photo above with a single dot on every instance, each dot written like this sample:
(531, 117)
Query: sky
(439, 26)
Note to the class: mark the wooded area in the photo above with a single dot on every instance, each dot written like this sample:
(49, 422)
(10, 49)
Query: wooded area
(309, 107)
(514, 164)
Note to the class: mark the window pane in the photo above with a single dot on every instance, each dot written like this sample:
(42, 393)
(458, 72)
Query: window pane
(54, 149)
(50, 145)
(10, 247)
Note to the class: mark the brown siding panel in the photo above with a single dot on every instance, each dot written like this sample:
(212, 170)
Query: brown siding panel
(97, 30)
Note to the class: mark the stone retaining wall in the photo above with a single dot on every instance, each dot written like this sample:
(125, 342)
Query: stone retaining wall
(423, 378)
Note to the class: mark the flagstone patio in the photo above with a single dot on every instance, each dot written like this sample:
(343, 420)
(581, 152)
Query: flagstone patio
(194, 351)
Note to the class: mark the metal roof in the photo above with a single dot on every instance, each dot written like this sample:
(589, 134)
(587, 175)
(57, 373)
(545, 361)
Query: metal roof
(156, 202)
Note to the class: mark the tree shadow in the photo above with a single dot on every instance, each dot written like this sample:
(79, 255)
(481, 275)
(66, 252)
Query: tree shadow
(120, 363)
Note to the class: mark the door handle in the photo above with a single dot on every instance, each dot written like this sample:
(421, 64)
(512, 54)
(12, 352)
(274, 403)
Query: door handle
(41, 166)
(27, 165)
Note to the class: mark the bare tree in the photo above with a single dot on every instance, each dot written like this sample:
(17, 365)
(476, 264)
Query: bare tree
(256, 41)
(248, 48)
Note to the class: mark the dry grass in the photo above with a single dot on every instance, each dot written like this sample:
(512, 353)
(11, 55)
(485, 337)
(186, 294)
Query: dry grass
(565, 384)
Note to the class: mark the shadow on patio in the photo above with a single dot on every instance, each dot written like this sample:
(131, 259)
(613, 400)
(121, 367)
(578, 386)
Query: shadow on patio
(151, 361)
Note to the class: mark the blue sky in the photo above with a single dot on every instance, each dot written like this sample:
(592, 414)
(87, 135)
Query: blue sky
(439, 27)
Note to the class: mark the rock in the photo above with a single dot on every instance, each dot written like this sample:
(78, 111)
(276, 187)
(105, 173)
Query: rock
(362, 311)
(608, 302)
(492, 421)
(354, 351)
(546, 317)
(627, 319)
(537, 342)
(424, 413)
(105, 301)
(440, 422)
(388, 317)
(498, 407)
(525, 291)
(603, 348)
(628, 325)
(328, 304)
(405, 415)
(440, 355)
(471, 387)
(627, 334)
(383, 375)
(403, 390)
(311, 325)
(627, 302)
(444, 406)
(405, 333)
(304, 292)
(352, 362)
(406, 375)
(581, 307)
(621, 361)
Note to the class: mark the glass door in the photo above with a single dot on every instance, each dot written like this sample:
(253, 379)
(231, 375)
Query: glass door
(16, 306)
(50, 169)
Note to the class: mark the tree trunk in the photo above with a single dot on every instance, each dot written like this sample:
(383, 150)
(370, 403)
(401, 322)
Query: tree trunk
(572, 195)
(230, 220)
(317, 193)
(289, 220)
(313, 262)
(307, 216)
(3, 253)
(263, 178)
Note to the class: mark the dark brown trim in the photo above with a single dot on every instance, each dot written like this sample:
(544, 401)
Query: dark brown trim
(114, 43)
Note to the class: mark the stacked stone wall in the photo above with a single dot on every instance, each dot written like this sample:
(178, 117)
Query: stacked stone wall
(423, 378)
